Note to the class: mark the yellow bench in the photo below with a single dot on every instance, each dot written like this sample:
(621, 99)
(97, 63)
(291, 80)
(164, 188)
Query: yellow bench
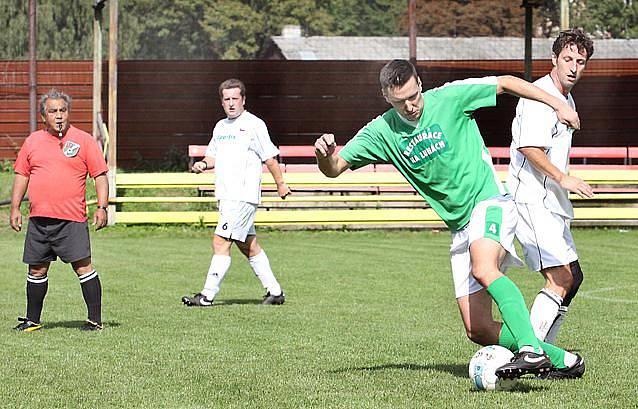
(305, 179)
(355, 208)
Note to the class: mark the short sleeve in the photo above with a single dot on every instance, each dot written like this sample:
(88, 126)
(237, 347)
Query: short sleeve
(94, 159)
(535, 121)
(366, 147)
(211, 149)
(22, 165)
(264, 147)
(470, 94)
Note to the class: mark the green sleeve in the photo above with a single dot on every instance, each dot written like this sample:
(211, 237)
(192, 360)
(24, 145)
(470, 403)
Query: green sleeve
(470, 94)
(365, 148)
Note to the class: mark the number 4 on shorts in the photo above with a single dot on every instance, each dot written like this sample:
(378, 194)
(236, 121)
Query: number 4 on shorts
(493, 219)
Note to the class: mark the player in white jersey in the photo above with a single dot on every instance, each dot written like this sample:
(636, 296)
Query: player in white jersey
(237, 150)
(540, 183)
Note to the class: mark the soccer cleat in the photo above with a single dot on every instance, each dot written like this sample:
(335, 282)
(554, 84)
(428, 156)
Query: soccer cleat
(523, 363)
(26, 325)
(91, 326)
(273, 299)
(198, 300)
(575, 371)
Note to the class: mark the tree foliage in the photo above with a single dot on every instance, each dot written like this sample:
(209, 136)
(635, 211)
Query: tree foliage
(608, 18)
(240, 29)
(464, 18)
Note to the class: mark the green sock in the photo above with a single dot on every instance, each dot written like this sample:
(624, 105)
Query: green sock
(555, 354)
(512, 306)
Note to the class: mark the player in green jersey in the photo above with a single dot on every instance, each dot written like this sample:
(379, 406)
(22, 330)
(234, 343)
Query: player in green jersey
(433, 139)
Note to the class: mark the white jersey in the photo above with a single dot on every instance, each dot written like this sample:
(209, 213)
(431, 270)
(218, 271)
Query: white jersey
(536, 124)
(240, 146)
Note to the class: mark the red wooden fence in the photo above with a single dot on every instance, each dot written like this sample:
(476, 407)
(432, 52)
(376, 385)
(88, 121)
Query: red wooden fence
(164, 104)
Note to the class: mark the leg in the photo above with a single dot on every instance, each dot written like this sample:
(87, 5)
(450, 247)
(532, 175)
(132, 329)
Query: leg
(91, 291)
(577, 279)
(549, 248)
(37, 287)
(486, 256)
(38, 255)
(261, 267)
(546, 306)
(219, 265)
(476, 313)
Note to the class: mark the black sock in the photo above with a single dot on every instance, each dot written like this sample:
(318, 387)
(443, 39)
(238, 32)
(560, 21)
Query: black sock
(36, 290)
(92, 293)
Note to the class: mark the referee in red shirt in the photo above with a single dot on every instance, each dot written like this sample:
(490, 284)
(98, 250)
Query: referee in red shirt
(53, 164)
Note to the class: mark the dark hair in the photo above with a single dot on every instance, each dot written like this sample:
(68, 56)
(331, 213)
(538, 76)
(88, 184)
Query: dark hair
(232, 83)
(53, 94)
(574, 36)
(396, 73)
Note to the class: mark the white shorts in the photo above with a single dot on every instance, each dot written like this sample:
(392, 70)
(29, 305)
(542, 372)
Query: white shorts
(236, 220)
(545, 237)
(494, 219)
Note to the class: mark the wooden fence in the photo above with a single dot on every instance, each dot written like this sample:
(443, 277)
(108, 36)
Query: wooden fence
(173, 104)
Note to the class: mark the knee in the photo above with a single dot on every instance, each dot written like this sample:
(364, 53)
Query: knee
(38, 271)
(577, 274)
(565, 281)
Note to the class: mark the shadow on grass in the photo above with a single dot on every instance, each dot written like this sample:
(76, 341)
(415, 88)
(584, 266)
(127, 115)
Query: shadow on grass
(237, 302)
(460, 371)
(76, 324)
(456, 370)
(518, 388)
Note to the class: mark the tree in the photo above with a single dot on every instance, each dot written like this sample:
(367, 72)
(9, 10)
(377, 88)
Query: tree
(367, 18)
(165, 29)
(608, 18)
(463, 18)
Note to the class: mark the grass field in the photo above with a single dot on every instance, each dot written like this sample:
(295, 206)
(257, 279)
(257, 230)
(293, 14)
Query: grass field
(369, 322)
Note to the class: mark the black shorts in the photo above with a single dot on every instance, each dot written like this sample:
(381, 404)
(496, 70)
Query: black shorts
(49, 238)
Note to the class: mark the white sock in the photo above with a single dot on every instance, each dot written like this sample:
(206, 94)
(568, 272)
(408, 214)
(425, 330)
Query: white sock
(219, 265)
(570, 359)
(261, 267)
(544, 311)
(550, 338)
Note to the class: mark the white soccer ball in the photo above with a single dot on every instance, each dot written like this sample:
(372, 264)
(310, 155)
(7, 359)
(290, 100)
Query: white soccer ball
(483, 365)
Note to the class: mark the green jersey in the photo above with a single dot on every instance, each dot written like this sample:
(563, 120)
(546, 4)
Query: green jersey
(444, 157)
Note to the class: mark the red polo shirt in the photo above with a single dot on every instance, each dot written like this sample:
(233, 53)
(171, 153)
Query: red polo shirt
(57, 170)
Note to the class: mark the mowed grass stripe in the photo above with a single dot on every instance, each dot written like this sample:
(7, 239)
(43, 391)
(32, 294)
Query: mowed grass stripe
(370, 322)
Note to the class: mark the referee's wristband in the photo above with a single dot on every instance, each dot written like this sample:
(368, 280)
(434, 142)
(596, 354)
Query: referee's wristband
(102, 207)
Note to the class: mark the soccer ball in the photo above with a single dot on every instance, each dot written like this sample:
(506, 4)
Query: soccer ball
(483, 365)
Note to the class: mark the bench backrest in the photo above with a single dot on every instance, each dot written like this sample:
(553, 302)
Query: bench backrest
(497, 152)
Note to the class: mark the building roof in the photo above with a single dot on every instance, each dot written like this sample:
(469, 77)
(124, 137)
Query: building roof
(296, 47)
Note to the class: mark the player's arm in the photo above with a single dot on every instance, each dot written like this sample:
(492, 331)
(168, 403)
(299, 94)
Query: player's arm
(100, 217)
(20, 184)
(540, 161)
(201, 165)
(273, 167)
(329, 162)
(523, 89)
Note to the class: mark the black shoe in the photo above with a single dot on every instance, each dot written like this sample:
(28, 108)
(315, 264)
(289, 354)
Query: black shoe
(198, 300)
(575, 371)
(273, 299)
(524, 363)
(91, 326)
(26, 325)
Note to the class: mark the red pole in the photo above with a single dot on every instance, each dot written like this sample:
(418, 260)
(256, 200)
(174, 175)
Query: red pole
(32, 68)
